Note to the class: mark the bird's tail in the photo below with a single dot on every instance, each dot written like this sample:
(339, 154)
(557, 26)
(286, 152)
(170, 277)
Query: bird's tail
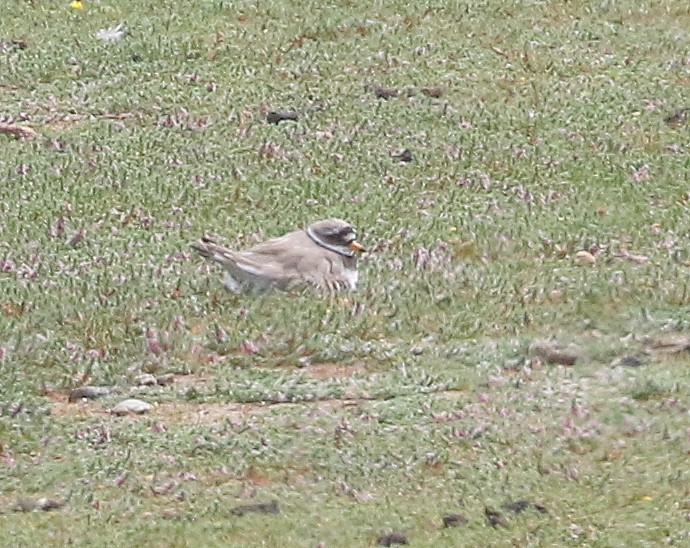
(208, 249)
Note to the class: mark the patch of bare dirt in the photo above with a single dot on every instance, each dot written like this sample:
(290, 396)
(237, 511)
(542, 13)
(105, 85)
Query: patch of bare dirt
(211, 413)
(80, 410)
(207, 413)
(330, 370)
(192, 379)
(214, 413)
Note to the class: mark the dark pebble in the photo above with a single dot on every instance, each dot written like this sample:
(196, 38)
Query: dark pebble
(495, 518)
(260, 508)
(454, 520)
(392, 538)
(276, 117)
(88, 393)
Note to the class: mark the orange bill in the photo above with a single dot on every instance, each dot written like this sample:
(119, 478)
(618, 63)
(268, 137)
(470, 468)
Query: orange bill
(356, 246)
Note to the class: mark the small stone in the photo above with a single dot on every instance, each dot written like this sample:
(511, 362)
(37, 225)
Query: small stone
(551, 353)
(540, 508)
(435, 92)
(145, 379)
(168, 378)
(585, 257)
(404, 156)
(88, 393)
(260, 508)
(416, 350)
(392, 538)
(275, 117)
(517, 506)
(454, 520)
(627, 361)
(131, 406)
(385, 93)
(45, 504)
(494, 518)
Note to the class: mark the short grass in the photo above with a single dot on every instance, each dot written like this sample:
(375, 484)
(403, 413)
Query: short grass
(412, 398)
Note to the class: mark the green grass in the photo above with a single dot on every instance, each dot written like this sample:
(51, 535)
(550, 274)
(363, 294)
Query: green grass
(413, 397)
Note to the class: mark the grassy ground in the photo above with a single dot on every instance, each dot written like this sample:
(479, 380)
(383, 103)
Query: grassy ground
(421, 395)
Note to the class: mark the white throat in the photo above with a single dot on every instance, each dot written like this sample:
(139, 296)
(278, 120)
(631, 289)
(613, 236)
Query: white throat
(336, 249)
(351, 278)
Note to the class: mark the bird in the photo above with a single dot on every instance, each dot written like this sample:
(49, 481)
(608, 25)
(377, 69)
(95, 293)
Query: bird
(322, 255)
